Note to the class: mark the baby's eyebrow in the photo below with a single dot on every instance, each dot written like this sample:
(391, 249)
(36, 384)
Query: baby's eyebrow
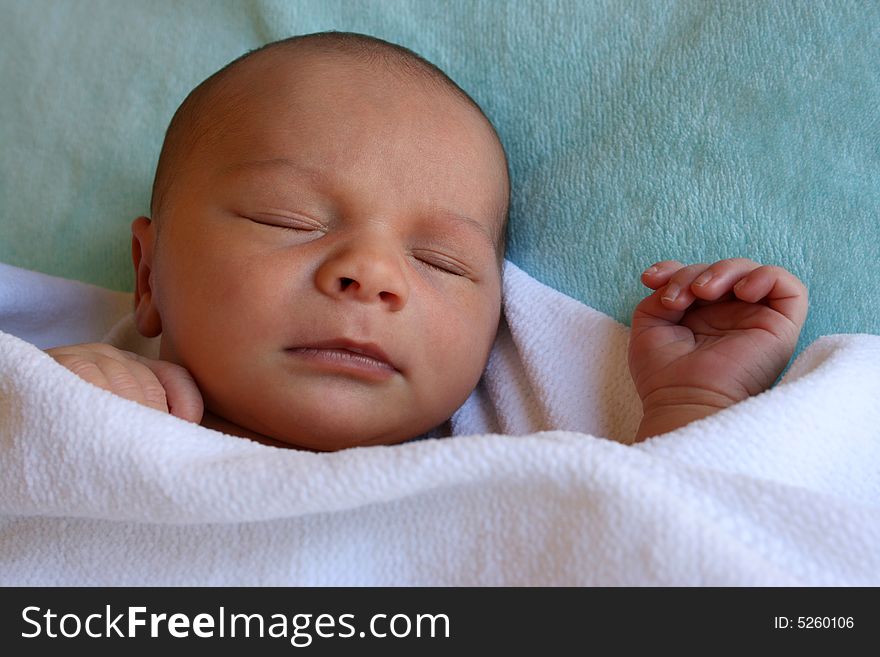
(316, 175)
(462, 219)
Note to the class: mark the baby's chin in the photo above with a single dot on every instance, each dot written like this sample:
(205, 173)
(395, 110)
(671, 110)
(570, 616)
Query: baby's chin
(318, 439)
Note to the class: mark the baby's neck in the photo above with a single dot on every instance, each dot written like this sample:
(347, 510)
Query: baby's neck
(211, 421)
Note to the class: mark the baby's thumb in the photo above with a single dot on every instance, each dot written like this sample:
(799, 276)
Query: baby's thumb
(183, 395)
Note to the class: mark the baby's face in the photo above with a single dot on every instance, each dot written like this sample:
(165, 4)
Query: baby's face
(327, 270)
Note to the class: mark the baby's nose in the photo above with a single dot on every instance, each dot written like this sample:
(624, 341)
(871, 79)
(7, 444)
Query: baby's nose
(368, 275)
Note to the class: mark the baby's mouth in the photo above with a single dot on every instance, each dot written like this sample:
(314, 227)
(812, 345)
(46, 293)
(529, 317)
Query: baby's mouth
(347, 357)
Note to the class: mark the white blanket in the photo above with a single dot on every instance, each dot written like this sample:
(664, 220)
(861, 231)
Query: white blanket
(782, 489)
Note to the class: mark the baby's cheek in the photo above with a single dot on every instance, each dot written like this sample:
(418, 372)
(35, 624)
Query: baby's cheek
(482, 315)
(464, 338)
(251, 301)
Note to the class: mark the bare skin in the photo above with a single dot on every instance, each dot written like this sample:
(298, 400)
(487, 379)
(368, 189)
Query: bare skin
(710, 336)
(717, 342)
(326, 275)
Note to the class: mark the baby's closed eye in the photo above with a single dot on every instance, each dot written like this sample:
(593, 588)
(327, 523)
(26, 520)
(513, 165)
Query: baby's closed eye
(286, 220)
(441, 262)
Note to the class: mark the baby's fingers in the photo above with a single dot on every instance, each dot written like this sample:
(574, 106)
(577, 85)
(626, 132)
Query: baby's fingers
(751, 282)
(84, 368)
(678, 294)
(129, 380)
(719, 278)
(783, 291)
(184, 398)
(658, 274)
(139, 384)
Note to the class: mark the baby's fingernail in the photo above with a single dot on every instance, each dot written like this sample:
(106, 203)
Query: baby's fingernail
(703, 278)
(651, 270)
(671, 293)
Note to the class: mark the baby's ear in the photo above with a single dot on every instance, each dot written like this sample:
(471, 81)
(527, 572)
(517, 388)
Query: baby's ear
(143, 243)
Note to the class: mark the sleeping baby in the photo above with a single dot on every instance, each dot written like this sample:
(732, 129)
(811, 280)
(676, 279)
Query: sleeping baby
(323, 263)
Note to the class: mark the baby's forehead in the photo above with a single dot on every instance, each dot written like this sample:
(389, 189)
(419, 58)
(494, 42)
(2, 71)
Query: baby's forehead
(247, 93)
(263, 92)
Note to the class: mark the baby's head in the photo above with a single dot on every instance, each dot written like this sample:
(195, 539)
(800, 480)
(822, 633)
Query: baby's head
(325, 247)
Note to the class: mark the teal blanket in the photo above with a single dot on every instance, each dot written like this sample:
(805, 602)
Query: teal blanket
(637, 131)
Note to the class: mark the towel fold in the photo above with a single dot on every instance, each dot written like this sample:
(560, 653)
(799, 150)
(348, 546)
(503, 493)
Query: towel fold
(781, 489)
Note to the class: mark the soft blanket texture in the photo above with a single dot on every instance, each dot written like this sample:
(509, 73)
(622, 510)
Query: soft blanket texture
(637, 130)
(781, 489)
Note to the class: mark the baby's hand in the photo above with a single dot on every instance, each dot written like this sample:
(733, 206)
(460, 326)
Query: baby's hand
(710, 336)
(155, 383)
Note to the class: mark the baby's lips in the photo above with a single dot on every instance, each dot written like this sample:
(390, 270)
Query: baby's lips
(369, 349)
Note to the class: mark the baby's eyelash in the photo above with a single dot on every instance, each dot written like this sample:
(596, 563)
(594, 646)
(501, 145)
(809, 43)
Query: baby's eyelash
(296, 228)
(438, 267)
(441, 263)
(287, 222)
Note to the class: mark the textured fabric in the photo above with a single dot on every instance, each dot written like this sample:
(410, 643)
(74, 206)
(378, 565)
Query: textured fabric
(781, 489)
(637, 131)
